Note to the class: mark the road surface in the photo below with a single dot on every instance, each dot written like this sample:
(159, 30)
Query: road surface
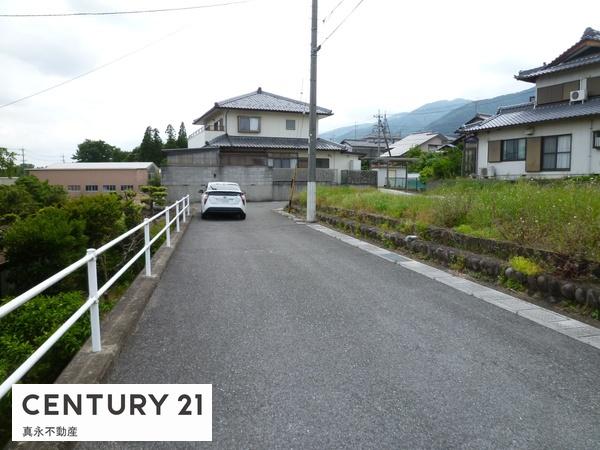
(311, 343)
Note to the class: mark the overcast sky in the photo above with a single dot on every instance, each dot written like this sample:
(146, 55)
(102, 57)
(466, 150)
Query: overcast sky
(390, 55)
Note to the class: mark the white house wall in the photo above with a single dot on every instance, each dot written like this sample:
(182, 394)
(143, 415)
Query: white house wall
(272, 124)
(565, 77)
(584, 158)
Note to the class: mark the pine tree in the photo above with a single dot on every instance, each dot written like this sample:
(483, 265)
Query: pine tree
(171, 141)
(182, 141)
(146, 148)
(157, 148)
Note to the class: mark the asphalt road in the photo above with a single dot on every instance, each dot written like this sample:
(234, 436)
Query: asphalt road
(311, 343)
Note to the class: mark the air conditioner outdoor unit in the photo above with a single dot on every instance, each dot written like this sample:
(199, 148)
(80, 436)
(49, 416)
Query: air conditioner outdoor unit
(483, 172)
(578, 96)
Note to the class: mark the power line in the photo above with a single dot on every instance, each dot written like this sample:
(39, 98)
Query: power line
(95, 69)
(333, 10)
(341, 23)
(114, 13)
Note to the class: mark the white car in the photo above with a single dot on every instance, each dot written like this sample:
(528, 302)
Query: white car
(223, 197)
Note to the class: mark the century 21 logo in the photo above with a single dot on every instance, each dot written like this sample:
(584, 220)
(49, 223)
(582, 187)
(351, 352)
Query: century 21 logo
(130, 404)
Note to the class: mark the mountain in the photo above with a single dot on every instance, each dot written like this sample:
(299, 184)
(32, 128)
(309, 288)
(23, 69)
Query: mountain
(400, 123)
(443, 116)
(449, 123)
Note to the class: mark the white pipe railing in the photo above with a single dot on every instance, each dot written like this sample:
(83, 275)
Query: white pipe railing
(182, 208)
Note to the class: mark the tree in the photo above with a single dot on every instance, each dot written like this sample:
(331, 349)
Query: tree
(120, 156)
(40, 245)
(182, 140)
(42, 193)
(7, 162)
(96, 151)
(155, 196)
(102, 216)
(171, 140)
(16, 200)
(151, 147)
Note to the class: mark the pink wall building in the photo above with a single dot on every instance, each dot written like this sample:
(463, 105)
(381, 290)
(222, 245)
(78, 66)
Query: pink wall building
(94, 178)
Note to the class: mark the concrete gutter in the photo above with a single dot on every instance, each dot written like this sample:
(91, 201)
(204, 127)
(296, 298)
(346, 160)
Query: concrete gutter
(88, 367)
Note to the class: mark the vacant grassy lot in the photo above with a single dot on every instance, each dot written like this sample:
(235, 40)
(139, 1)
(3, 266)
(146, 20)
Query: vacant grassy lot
(561, 216)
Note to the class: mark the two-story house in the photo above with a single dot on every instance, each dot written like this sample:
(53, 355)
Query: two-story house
(557, 133)
(259, 140)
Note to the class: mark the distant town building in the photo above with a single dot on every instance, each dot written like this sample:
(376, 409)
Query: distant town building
(426, 141)
(93, 178)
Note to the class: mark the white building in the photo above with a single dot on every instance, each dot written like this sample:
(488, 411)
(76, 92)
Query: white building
(257, 140)
(557, 133)
(426, 141)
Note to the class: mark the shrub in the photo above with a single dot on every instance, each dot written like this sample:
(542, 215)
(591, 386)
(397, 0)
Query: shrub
(42, 193)
(525, 265)
(41, 245)
(102, 216)
(26, 328)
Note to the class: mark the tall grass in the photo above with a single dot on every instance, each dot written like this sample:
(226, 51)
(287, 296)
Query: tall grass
(561, 216)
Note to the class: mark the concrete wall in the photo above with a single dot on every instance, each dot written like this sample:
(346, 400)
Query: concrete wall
(359, 177)
(190, 171)
(584, 158)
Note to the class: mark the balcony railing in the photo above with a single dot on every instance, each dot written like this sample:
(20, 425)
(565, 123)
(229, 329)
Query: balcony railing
(204, 128)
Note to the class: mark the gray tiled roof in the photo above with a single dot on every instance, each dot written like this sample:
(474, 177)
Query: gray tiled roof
(525, 114)
(260, 100)
(361, 143)
(569, 59)
(531, 74)
(275, 143)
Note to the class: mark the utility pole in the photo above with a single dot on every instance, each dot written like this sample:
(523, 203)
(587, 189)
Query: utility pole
(311, 184)
(23, 158)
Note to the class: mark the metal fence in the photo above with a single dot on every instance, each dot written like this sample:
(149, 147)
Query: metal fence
(410, 184)
(182, 209)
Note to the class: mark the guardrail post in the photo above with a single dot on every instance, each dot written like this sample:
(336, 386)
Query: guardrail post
(177, 216)
(189, 205)
(183, 209)
(168, 224)
(147, 246)
(94, 309)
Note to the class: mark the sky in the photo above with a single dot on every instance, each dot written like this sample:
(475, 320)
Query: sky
(388, 56)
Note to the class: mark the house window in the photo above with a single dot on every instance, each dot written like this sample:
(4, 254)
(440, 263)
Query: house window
(290, 124)
(322, 163)
(597, 139)
(557, 92)
(109, 187)
(556, 152)
(283, 163)
(593, 87)
(248, 124)
(127, 187)
(514, 150)
(91, 187)
(74, 187)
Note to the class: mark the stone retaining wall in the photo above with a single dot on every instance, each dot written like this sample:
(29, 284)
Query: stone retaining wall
(546, 286)
(565, 265)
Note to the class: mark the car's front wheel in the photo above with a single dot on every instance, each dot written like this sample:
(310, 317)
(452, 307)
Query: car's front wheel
(242, 216)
